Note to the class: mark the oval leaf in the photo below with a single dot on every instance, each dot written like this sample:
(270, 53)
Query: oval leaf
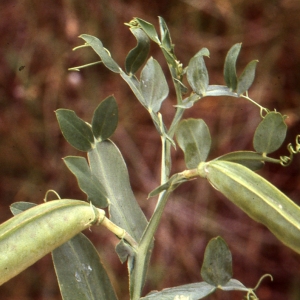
(270, 133)
(217, 265)
(87, 181)
(246, 78)
(108, 166)
(19, 207)
(149, 29)
(97, 46)
(79, 271)
(192, 291)
(194, 139)
(257, 197)
(153, 85)
(230, 66)
(197, 74)
(77, 132)
(138, 55)
(105, 119)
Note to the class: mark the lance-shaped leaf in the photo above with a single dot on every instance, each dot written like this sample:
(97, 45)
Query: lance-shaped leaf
(153, 85)
(105, 119)
(97, 46)
(246, 78)
(80, 273)
(192, 291)
(197, 74)
(249, 159)
(270, 133)
(108, 166)
(230, 66)
(77, 132)
(87, 181)
(217, 265)
(149, 29)
(257, 197)
(194, 139)
(165, 35)
(138, 55)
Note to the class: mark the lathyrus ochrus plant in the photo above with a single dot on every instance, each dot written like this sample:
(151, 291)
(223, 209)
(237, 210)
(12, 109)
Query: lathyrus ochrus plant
(55, 226)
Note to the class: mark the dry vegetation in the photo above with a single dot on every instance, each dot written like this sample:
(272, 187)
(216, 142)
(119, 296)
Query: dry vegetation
(36, 38)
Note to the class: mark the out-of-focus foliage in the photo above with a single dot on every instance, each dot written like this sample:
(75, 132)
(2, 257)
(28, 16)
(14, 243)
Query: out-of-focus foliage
(36, 38)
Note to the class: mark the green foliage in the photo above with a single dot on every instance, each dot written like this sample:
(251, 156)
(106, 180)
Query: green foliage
(103, 177)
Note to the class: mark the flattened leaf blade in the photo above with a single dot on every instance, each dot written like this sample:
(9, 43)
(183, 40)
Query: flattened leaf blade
(149, 29)
(80, 273)
(97, 46)
(87, 181)
(108, 166)
(230, 66)
(197, 74)
(138, 55)
(247, 77)
(153, 85)
(192, 291)
(194, 139)
(270, 133)
(217, 265)
(21, 206)
(105, 119)
(77, 132)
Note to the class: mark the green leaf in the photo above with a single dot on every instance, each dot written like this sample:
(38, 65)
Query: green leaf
(234, 285)
(87, 181)
(230, 66)
(149, 29)
(77, 132)
(19, 207)
(257, 197)
(138, 55)
(105, 119)
(153, 85)
(270, 133)
(219, 90)
(192, 291)
(246, 78)
(165, 35)
(197, 74)
(217, 265)
(108, 166)
(194, 139)
(134, 84)
(97, 46)
(249, 159)
(80, 273)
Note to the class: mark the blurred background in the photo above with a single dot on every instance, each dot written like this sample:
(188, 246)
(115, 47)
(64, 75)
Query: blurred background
(36, 41)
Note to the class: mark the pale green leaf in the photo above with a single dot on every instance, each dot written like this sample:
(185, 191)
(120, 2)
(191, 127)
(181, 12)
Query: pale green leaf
(108, 166)
(87, 181)
(165, 35)
(149, 29)
(194, 139)
(105, 56)
(230, 66)
(79, 271)
(197, 74)
(77, 132)
(192, 291)
(270, 133)
(153, 85)
(19, 207)
(246, 78)
(138, 55)
(105, 119)
(217, 265)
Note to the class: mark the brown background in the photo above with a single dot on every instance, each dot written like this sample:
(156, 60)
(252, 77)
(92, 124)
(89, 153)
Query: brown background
(40, 35)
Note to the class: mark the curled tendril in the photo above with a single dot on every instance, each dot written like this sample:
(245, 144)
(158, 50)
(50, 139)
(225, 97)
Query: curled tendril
(286, 160)
(51, 191)
(263, 112)
(251, 295)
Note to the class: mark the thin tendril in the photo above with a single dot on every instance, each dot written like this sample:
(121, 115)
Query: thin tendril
(286, 160)
(51, 191)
